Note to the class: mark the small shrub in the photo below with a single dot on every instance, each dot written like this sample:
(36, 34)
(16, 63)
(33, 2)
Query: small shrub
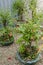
(6, 20)
(18, 8)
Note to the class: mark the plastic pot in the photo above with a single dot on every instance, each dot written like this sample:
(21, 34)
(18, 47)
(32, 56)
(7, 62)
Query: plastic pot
(28, 62)
(7, 43)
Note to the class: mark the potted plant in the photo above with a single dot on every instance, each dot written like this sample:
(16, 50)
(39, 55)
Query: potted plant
(18, 8)
(6, 36)
(28, 52)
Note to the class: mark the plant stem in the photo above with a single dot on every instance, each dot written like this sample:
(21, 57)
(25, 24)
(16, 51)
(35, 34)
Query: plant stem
(32, 16)
(4, 23)
(20, 17)
(30, 44)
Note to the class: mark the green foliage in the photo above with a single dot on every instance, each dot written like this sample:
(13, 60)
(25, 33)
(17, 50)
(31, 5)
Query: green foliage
(5, 17)
(7, 21)
(22, 48)
(36, 17)
(18, 7)
(30, 32)
(33, 4)
(6, 32)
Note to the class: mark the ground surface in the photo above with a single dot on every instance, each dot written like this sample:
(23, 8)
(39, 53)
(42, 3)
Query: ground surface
(8, 55)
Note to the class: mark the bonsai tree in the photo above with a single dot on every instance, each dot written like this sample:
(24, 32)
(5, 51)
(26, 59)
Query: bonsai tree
(18, 7)
(6, 36)
(30, 35)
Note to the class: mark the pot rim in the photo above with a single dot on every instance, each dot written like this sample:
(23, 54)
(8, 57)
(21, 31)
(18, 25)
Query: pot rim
(30, 62)
(7, 43)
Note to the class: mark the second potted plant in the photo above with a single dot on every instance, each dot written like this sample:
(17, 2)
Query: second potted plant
(6, 37)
